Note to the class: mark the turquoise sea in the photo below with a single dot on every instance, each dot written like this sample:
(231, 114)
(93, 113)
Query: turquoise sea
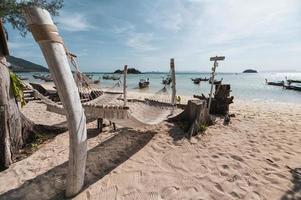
(244, 86)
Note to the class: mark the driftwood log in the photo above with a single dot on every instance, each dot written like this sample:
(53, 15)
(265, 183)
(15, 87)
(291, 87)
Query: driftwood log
(195, 116)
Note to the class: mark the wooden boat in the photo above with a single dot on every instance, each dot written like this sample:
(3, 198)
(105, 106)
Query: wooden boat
(37, 76)
(96, 81)
(196, 80)
(293, 87)
(143, 83)
(293, 81)
(204, 79)
(105, 77)
(115, 78)
(167, 80)
(110, 77)
(277, 83)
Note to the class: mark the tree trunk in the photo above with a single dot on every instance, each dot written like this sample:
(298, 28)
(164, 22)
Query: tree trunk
(10, 120)
(46, 34)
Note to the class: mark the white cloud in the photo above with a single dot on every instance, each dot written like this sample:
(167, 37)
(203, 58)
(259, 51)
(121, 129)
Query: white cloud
(74, 22)
(228, 20)
(141, 42)
(168, 16)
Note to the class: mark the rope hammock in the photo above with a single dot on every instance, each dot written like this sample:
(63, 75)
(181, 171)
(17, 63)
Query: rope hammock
(136, 114)
(110, 105)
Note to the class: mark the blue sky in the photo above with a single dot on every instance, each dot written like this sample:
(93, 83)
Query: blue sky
(107, 34)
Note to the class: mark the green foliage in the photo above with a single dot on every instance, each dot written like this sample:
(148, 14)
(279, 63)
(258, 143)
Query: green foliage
(202, 128)
(11, 11)
(17, 87)
(34, 140)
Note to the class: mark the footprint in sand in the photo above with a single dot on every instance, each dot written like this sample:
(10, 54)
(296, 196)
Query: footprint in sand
(233, 178)
(144, 196)
(272, 163)
(169, 191)
(235, 157)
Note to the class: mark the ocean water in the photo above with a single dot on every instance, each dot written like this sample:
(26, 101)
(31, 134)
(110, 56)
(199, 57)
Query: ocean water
(243, 86)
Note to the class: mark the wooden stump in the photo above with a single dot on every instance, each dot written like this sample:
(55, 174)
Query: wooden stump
(221, 101)
(195, 116)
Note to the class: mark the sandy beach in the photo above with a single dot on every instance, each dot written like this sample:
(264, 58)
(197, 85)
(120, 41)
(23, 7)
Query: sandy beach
(257, 156)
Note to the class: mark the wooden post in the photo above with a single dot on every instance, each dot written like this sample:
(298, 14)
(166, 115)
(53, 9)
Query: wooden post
(173, 76)
(125, 71)
(100, 124)
(46, 34)
(215, 59)
(212, 83)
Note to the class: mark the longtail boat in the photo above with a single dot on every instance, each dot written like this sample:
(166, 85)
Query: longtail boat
(277, 83)
(143, 83)
(293, 87)
(293, 81)
(198, 80)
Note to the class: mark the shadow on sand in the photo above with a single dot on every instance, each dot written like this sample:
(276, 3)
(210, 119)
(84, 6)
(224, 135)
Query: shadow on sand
(295, 192)
(100, 161)
(175, 132)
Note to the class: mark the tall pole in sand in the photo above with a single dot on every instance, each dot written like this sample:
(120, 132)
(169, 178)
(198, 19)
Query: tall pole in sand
(215, 65)
(173, 76)
(125, 72)
(46, 34)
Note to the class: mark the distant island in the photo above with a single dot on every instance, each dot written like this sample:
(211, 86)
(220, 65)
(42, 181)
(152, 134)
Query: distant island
(250, 71)
(21, 65)
(130, 71)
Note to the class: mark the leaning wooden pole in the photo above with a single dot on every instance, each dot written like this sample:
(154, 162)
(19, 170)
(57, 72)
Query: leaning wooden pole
(212, 84)
(125, 71)
(173, 76)
(46, 34)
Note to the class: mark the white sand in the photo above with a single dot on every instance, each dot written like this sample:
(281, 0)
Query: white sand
(249, 159)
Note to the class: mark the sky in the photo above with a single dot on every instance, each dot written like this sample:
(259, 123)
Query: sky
(107, 34)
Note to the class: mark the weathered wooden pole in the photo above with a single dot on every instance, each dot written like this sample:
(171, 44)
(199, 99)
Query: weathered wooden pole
(173, 76)
(51, 44)
(125, 71)
(212, 83)
(215, 64)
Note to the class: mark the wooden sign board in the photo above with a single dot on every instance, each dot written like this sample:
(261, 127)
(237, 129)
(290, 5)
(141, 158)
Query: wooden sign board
(217, 58)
